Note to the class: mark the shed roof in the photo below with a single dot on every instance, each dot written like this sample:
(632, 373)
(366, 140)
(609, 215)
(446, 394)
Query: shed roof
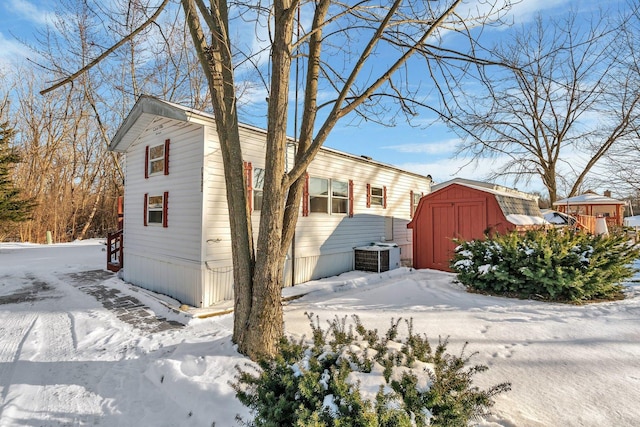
(518, 207)
(589, 199)
(487, 187)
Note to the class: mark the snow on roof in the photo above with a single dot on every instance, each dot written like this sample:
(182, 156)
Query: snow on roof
(589, 199)
(496, 189)
(555, 217)
(521, 207)
(519, 219)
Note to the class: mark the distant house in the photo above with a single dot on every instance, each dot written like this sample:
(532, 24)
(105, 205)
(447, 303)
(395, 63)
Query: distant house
(467, 209)
(176, 226)
(591, 204)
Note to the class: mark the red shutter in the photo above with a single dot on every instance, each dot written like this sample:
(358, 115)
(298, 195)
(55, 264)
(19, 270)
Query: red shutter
(146, 162)
(368, 195)
(350, 198)
(166, 156)
(165, 201)
(248, 173)
(305, 196)
(146, 204)
(384, 197)
(411, 204)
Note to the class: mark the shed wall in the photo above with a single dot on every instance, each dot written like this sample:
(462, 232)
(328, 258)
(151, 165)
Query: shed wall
(453, 212)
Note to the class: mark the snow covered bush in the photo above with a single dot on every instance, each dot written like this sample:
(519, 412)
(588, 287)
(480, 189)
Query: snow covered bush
(350, 376)
(547, 264)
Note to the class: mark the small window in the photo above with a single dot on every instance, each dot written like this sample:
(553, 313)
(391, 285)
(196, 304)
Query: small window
(415, 196)
(377, 196)
(258, 186)
(319, 195)
(156, 159)
(155, 211)
(339, 196)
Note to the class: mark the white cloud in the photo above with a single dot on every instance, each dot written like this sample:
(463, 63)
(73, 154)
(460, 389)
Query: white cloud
(11, 52)
(436, 148)
(446, 169)
(26, 10)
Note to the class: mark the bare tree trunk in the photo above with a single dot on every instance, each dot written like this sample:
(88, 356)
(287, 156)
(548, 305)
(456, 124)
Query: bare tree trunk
(217, 64)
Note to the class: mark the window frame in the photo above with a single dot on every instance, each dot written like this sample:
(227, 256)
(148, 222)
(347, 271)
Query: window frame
(329, 197)
(160, 206)
(332, 196)
(326, 197)
(258, 189)
(154, 160)
(376, 200)
(415, 200)
(162, 160)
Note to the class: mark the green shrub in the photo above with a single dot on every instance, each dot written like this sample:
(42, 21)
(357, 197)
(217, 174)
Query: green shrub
(547, 264)
(350, 376)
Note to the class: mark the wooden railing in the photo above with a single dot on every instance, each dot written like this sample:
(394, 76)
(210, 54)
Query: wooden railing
(587, 223)
(114, 251)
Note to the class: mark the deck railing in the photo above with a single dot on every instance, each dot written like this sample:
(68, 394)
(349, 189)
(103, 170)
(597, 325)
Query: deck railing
(114, 251)
(587, 223)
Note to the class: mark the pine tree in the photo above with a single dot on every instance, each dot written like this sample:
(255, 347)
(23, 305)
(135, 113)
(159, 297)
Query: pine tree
(13, 206)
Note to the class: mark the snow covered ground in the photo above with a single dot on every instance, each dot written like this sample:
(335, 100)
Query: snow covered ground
(67, 360)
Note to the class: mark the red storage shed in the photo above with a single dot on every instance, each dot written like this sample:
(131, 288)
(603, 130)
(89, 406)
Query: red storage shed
(466, 209)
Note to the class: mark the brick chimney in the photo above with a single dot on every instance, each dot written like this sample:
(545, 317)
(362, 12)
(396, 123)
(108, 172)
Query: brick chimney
(607, 193)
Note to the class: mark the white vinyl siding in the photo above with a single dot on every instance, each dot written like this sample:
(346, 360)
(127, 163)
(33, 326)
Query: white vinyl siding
(191, 258)
(179, 243)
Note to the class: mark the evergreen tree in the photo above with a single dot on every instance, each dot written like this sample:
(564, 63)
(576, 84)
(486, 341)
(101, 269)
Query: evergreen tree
(13, 206)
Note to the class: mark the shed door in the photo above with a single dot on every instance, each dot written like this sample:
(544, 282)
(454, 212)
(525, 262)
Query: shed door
(463, 220)
(444, 227)
(471, 220)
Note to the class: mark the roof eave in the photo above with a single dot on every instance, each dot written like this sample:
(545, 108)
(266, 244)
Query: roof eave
(142, 114)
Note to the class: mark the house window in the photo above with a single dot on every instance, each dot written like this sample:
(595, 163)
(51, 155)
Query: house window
(323, 195)
(415, 199)
(155, 207)
(339, 196)
(258, 186)
(319, 195)
(156, 159)
(377, 196)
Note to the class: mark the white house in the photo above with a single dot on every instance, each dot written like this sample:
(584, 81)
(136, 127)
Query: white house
(176, 227)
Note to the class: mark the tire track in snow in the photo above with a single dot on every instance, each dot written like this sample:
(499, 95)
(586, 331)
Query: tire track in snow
(14, 331)
(47, 378)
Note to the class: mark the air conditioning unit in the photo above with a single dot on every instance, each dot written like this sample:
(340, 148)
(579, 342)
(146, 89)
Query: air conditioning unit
(377, 257)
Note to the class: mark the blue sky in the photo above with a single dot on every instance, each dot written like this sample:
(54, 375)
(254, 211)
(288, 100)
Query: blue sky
(424, 150)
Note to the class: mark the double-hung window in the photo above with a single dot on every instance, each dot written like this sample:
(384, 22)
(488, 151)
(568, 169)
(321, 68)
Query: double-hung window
(319, 195)
(377, 196)
(157, 159)
(328, 196)
(415, 199)
(155, 209)
(258, 187)
(339, 197)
